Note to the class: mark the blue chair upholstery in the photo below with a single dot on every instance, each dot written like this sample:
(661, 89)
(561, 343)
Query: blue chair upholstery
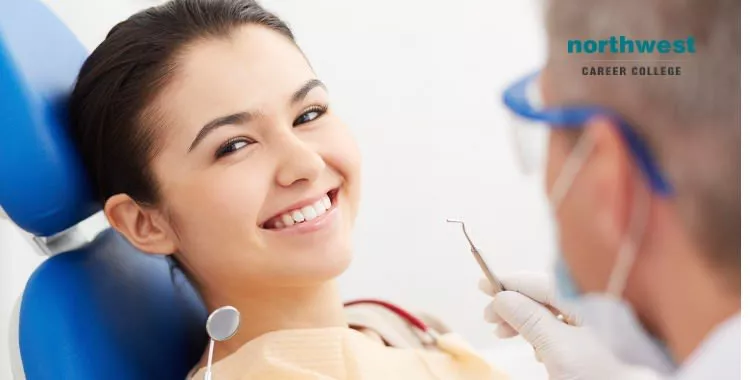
(106, 310)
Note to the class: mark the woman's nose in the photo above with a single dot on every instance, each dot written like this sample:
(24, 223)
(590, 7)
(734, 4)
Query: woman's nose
(298, 161)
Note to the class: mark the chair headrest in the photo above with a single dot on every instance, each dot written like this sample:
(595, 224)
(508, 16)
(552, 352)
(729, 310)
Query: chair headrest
(43, 185)
(108, 311)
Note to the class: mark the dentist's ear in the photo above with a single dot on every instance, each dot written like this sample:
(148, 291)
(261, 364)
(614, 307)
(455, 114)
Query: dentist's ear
(144, 227)
(612, 176)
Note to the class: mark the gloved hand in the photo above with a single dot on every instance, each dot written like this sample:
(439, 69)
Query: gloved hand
(569, 352)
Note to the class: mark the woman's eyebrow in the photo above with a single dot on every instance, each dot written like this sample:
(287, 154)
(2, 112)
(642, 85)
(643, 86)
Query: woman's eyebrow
(300, 94)
(233, 119)
(245, 117)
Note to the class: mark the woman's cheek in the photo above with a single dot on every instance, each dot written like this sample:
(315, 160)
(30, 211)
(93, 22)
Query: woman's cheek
(342, 149)
(229, 194)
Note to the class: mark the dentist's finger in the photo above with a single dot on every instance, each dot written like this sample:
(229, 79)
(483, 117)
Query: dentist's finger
(536, 286)
(532, 320)
(486, 287)
(538, 357)
(490, 315)
(504, 331)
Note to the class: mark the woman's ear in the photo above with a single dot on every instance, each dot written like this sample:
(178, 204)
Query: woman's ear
(143, 227)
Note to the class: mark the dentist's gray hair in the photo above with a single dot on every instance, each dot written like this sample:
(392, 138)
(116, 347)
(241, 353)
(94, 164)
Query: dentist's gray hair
(691, 121)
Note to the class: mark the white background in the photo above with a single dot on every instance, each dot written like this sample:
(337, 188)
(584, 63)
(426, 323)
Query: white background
(419, 83)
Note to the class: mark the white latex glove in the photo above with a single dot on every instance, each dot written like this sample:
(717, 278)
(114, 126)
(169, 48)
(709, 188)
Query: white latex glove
(568, 352)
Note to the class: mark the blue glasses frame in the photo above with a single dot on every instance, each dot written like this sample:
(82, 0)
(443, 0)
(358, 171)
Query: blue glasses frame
(516, 99)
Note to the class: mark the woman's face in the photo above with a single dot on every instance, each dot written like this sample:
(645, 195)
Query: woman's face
(259, 180)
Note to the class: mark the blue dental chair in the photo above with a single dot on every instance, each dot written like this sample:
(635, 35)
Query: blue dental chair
(101, 309)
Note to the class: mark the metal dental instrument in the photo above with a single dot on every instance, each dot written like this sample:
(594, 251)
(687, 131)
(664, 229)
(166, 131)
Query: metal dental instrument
(221, 325)
(496, 285)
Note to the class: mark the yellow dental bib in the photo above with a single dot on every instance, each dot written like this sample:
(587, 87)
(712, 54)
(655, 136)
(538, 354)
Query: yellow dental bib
(342, 353)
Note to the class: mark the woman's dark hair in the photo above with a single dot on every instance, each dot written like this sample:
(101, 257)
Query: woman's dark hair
(113, 126)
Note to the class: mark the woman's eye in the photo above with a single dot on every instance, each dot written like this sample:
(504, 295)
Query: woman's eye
(232, 146)
(310, 115)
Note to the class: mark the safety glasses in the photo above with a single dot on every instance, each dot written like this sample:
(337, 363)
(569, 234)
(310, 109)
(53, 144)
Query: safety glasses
(532, 122)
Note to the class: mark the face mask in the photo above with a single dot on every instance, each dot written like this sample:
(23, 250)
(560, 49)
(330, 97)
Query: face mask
(613, 319)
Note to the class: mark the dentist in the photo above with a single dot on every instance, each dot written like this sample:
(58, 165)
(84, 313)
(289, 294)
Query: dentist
(643, 176)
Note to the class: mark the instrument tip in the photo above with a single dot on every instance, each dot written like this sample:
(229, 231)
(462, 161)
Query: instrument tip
(454, 221)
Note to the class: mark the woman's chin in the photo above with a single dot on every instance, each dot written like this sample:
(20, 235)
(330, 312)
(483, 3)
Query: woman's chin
(312, 270)
(328, 269)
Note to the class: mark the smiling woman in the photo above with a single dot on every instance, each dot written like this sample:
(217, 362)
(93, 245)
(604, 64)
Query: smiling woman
(211, 139)
(197, 137)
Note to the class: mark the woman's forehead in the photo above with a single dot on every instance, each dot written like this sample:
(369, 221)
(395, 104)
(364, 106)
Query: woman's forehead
(253, 68)
(254, 58)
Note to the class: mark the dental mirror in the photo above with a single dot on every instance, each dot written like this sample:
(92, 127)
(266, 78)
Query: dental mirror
(221, 326)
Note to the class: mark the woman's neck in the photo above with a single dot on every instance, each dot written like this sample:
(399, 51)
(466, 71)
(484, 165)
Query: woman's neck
(274, 309)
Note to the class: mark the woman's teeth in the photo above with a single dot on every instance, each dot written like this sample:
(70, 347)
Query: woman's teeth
(304, 214)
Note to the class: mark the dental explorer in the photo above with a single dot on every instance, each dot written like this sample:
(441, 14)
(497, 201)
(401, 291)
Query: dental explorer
(496, 285)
